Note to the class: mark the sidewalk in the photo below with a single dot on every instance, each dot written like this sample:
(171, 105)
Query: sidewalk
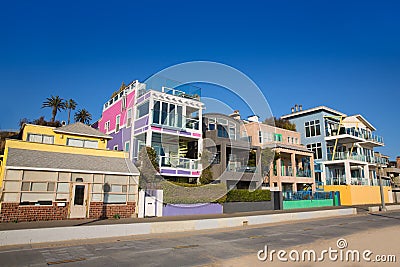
(47, 232)
(90, 222)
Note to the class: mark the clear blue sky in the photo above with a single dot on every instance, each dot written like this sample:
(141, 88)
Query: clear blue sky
(343, 54)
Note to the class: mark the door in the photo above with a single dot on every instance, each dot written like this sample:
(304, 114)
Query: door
(78, 206)
(150, 206)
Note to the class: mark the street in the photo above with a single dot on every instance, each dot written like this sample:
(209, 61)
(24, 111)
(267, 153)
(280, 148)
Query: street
(206, 248)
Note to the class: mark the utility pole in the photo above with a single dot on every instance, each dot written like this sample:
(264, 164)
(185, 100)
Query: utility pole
(383, 206)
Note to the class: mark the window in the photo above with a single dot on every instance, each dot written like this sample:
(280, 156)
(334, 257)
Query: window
(117, 123)
(296, 141)
(116, 194)
(123, 104)
(260, 137)
(82, 143)
(40, 138)
(222, 131)
(288, 140)
(317, 149)
(156, 112)
(115, 147)
(38, 186)
(211, 124)
(232, 133)
(143, 110)
(107, 126)
(129, 118)
(278, 138)
(127, 146)
(313, 128)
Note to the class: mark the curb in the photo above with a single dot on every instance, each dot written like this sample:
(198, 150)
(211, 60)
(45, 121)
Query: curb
(59, 234)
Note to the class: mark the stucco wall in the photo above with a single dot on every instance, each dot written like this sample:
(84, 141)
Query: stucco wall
(359, 195)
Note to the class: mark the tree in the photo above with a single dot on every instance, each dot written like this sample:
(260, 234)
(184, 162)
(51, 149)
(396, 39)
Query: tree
(70, 105)
(55, 103)
(280, 123)
(83, 116)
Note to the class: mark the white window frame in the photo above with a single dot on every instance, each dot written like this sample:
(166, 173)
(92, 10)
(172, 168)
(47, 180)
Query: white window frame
(107, 126)
(115, 147)
(117, 123)
(129, 144)
(129, 118)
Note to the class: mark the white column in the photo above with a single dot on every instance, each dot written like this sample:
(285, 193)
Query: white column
(347, 172)
(366, 174)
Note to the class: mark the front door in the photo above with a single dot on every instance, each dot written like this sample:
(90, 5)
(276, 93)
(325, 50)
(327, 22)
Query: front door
(78, 202)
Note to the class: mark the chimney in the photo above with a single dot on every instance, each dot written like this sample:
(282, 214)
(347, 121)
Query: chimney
(300, 107)
(296, 107)
(292, 110)
(253, 118)
(398, 162)
(235, 115)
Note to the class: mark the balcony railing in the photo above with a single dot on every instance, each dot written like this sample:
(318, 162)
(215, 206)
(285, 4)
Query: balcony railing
(303, 173)
(178, 163)
(359, 181)
(175, 120)
(356, 133)
(336, 181)
(346, 155)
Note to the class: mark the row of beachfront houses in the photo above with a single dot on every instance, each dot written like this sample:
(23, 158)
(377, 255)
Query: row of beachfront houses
(78, 171)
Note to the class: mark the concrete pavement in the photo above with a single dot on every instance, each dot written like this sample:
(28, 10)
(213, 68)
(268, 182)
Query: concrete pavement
(204, 248)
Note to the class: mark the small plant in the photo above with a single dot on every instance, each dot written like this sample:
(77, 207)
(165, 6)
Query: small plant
(117, 216)
(15, 221)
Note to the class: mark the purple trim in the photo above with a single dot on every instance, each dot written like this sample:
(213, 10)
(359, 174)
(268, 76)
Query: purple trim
(185, 133)
(168, 130)
(192, 209)
(145, 128)
(138, 131)
(142, 122)
(184, 172)
(168, 171)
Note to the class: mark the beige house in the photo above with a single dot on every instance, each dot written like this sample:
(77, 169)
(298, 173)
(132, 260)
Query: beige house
(293, 166)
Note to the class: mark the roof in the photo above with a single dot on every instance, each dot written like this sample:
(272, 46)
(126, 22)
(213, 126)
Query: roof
(79, 128)
(34, 159)
(311, 110)
(365, 122)
(279, 145)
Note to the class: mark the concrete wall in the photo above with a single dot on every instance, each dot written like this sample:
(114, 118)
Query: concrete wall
(191, 209)
(302, 204)
(359, 195)
(233, 207)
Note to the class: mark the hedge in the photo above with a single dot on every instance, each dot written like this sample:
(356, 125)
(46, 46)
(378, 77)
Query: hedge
(180, 193)
(244, 195)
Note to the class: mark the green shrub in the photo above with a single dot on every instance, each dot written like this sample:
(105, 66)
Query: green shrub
(244, 195)
(181, 193)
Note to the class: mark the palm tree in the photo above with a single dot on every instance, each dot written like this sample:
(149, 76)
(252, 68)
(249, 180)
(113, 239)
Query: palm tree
(70, 105)
(83, 116)
(56, 103)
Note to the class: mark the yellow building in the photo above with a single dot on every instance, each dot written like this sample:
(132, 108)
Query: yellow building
(65, 172)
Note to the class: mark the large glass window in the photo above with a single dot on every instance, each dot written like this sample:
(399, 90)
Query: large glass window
(316, 149)
(312, 128)
(129, 118)
(164, 113)
(41, 138)
(222, 132)
(156, 112)
(143, 109)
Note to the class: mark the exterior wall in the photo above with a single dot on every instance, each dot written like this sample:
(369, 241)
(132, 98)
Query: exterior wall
(359, 195)
(101, 210)
(120, 138)
(59, 139)
(302, 204)
(115, 109)
(192, 209)
(13, 212)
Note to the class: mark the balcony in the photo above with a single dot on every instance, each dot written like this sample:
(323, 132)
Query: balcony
(336, 181)
(352, 135)
(303, 173)
(179, 163)
(347, 156)
(359, 181)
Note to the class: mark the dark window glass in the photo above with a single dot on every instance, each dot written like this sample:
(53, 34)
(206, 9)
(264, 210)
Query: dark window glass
(164, 112)
(79, 195)
(156, 112)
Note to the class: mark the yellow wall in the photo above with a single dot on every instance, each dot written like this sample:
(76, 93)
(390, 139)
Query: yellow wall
(59, 139)
(359, 195)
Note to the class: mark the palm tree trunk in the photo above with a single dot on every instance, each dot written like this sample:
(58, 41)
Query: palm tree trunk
(69, 115)
(54, 113)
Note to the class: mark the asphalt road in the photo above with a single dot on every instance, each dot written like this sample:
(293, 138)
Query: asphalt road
(192, 249)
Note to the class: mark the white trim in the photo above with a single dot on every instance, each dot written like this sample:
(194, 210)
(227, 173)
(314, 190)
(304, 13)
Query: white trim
(66, 170)
(116, 146)
(83, 134)
(119, 124)
(322, 108)
(126, 120)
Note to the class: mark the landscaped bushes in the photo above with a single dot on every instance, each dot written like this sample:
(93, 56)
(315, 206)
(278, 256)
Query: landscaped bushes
(180, 193)
(243, 195)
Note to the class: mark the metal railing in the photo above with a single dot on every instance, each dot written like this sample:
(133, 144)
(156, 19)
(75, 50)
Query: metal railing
(303, 173)
(178, 163)
(336, 181)
(306, 195)
(356, 133)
